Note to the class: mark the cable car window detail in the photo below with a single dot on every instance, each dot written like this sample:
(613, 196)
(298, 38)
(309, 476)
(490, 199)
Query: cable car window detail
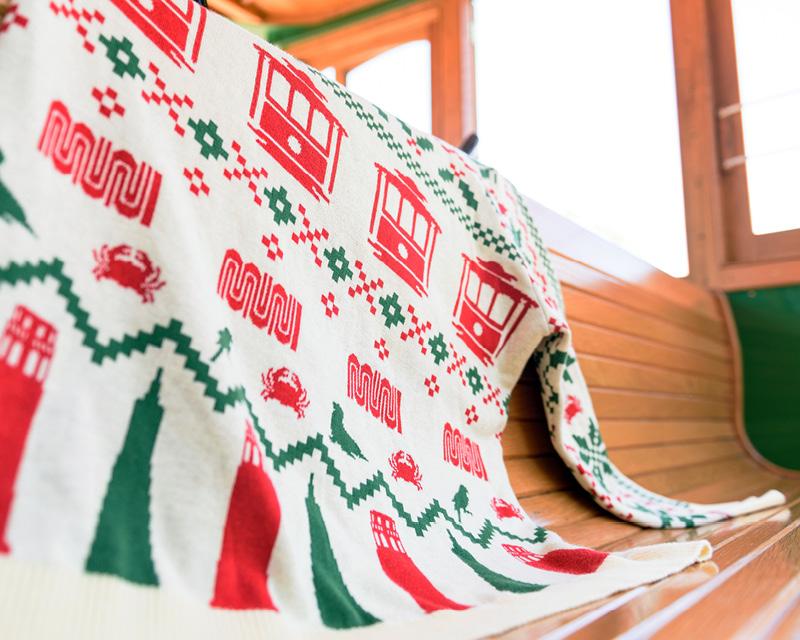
(320, 129)
(488, 308)
(292, 122)
(402, 230)
(299, 110)
(280, 90)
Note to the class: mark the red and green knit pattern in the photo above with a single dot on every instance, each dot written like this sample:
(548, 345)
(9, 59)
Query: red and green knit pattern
(260, 335)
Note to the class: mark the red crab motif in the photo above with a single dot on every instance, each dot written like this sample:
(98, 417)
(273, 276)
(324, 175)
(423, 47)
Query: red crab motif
(572, 409)
(284, 386)
(404, 468)
(505, 509)
(128, 267)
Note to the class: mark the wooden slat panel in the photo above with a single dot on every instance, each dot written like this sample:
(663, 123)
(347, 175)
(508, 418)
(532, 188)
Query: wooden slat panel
(567, 238)
(560, 507)
(606, 372)
(638, 404)
(530, 476)
(728, 608)
(523, 438)
(602, 313)
(671, 481)
(733, 540)
(634, 460)
(590, 339)
(591, 280)
(525, 403)
(625, 433)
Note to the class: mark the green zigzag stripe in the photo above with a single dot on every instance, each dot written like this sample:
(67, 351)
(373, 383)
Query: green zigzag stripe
(26, 272)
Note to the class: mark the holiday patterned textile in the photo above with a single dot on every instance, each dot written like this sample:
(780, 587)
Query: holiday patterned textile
(259, 339)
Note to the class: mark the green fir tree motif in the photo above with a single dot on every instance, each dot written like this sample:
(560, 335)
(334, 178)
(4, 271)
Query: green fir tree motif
(10, 210)
(337, 607)
(497, 580)
(340, 436)
(461, 502)
(224, 342)
(121, 545)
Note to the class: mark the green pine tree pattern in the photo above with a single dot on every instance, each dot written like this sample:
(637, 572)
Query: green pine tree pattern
(121, 543)
(337, 607)
(10, 209)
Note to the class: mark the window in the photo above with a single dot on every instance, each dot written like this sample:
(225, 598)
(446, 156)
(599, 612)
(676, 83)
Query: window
(767, 51)
(408, 94)
(576, 105)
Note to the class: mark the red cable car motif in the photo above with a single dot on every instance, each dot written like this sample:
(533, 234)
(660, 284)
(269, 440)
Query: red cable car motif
(400, 568)
(26, 349)
(254, 516)
(402, 230)
(293, 124)
(488, 308)
(174, 26)
(577, 561)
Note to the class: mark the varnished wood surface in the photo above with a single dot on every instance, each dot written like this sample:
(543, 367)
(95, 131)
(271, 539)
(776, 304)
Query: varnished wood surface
(661, 367)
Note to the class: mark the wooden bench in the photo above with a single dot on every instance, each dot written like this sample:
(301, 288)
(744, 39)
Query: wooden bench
(661, 358)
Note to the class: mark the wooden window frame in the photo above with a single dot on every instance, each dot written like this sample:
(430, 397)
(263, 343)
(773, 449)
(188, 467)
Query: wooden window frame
(446, 24)
(724, 253)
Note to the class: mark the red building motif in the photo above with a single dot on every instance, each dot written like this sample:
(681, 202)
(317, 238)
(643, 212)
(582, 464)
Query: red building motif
(254, 516)
(488, 308)
(174, 26)
(26, 350)
(462, 452)
(374, 392)
(293, 124)
(577, 561)
(400, 568)
(402, 230)
(259, 298)
(104, 173)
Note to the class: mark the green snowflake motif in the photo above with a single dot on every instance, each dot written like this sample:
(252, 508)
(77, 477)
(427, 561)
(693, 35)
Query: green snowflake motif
(424, 144)
(205, 133)
(594, 454)
(438, 348)
(474, 380)
(338, 264)
(391, 310)
(280, 205)
(446, 175)
(121, 55)
(469, 197)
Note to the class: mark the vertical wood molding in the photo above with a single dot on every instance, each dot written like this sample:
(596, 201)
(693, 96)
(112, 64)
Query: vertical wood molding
(697, 119)
(453, 72)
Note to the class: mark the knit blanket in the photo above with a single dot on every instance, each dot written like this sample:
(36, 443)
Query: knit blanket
(259, 341)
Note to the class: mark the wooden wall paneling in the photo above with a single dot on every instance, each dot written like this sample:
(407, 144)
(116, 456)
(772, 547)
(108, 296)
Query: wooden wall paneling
(566, 238)
(608, 287)
(602, 313)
